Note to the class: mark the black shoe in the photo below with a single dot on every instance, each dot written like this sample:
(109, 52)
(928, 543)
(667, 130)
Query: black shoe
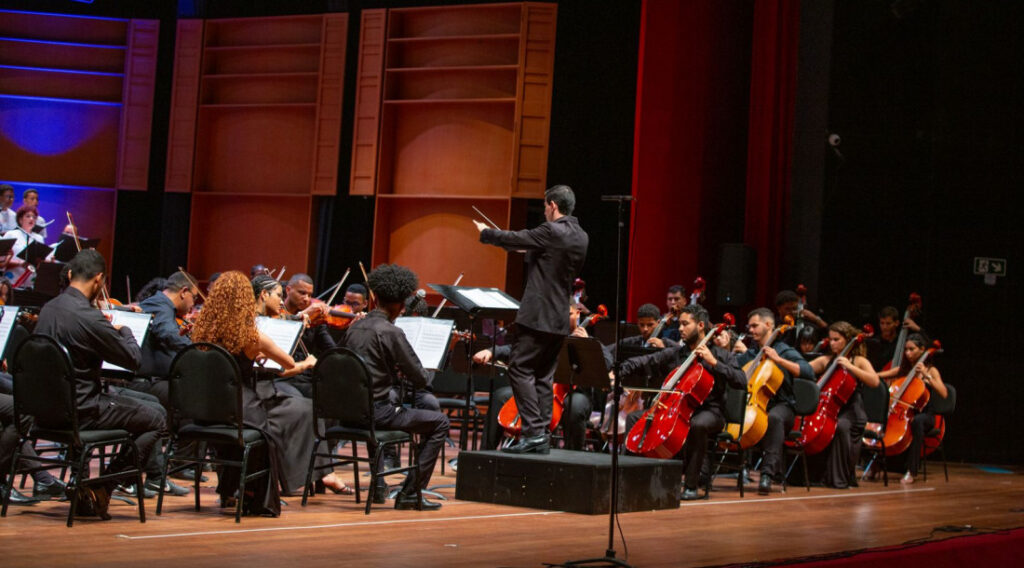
(51, 490)
(690, 495)
(170, 488)
(765, 486)
(380, 493)
(540, 444)
(132, 491)
(406, 502)
(19, 498)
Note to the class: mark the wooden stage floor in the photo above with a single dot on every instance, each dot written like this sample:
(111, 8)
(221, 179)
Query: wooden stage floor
(332, 530)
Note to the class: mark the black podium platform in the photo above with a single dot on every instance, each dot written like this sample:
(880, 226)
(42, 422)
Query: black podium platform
(576, 482)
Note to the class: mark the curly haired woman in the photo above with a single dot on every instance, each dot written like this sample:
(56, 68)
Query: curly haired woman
(228, 319)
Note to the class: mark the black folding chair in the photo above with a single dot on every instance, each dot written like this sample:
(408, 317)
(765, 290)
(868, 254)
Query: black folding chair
(807, 394)
(343, 394)
(725, 444)
(44, 388)
(205, 393)
(941, 407)
(876, 406)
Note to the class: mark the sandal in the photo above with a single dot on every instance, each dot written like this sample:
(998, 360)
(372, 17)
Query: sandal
(342, 489)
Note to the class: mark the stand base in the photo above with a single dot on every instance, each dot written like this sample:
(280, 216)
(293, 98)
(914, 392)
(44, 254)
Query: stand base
(575, 482)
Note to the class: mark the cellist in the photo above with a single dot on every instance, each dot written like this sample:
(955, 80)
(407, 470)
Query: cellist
(710, 416)
(843, 453)
(923, 421)
(760, 324)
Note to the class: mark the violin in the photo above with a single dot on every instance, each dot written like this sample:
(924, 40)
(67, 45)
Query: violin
(662, 430)
(764, 378)
(908, 395)
(337, 317)
(837, 386)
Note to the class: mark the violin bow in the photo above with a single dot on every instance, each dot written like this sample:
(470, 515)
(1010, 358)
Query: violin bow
(280, 274)
(78, 248)
(193, 283)
(338, 286)
(373, 297)
(443, 300)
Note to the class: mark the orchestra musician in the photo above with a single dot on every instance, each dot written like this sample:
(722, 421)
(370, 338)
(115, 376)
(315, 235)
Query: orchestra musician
(228, 319)
(710, 417)
(555, 251)
(675, 299)
(90, 339)
(787, 302)
(164, 340)
(843, 453)
(882, 347)
(923, 421)
(315, 338)
(760, 324)
(385, 349)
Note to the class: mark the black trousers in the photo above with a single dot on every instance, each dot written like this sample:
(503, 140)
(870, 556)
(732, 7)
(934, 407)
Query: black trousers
(145, 422)
(703, 424)
(431, 425)
(531, 368)
(780, 422)
(920, 425)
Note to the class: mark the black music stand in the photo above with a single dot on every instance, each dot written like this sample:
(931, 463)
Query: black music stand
(477, 302)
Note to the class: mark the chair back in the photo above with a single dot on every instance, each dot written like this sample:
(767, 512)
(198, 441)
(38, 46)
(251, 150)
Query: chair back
(735, 406)
(876, 403)
(44, 384)
(205, 385)
(807, 394)
(342, 388)
(944, 406)
(18, 334)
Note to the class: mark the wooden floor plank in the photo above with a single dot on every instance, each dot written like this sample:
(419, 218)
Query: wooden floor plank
(333, 531)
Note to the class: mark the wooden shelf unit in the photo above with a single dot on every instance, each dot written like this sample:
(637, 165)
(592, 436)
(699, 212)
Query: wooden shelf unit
(453, 107)
(255, 133)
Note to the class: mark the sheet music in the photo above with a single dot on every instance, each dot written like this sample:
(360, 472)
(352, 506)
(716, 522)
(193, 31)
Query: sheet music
(429, 338)
(284, 333)
(7, 324)
(488, 298)
(137, 322)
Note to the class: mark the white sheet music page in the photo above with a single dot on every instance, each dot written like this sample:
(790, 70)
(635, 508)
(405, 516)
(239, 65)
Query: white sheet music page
(428, 337)
(284, 333)
(7, 324)
(137, 322)
(488, 298)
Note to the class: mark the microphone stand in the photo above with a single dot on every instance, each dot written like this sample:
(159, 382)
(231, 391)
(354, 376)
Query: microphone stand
(609, 558)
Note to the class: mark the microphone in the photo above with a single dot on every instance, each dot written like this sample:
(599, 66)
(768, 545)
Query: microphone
(421, 293)
(834, 141)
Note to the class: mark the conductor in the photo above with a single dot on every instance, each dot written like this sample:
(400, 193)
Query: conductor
(555, 251)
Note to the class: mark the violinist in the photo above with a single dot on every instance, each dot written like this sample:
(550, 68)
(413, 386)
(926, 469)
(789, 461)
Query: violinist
(923, 421)
(710, 417)
(760, 324)
(356, 298)
(647, 317)
(315, 338)
(843, 453)
(164, 340)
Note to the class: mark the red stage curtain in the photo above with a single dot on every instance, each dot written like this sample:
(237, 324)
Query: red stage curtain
(770, 137)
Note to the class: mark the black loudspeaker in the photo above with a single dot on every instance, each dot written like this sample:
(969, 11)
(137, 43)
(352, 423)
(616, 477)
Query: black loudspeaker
(737, 264)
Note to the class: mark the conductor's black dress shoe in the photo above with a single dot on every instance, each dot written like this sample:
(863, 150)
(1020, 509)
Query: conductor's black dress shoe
(540, 444)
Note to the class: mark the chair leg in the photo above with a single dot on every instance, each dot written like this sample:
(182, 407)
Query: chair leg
(807, 476)
(355, 469)
(309, 470)
(163, 475)
(9, 486)
(241, 483)
(945, 468)
(77, 468)
(141, 488)
(885, 468)
(376, 454)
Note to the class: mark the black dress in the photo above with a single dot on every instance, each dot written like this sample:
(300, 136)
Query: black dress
(286, 421)
(838, 462)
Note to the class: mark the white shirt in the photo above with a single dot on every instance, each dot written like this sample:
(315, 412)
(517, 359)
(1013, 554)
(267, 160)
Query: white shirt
(13, 273)
(8, 220)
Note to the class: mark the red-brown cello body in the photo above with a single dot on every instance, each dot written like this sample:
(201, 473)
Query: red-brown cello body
(908, 395)
(837, 386)
(662, 430)
(512, 422)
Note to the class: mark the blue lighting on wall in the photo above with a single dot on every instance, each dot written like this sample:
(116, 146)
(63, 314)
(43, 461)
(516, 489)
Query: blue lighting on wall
(51, 126)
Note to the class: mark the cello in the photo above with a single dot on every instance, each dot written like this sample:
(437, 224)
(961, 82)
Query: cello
(913, 309)
(908, 395)
(662, 430)
(837, 386)
(696, 295)
(763, 380)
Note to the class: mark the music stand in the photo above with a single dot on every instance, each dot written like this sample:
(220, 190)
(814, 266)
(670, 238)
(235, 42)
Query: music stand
(477, 302)
(65, 249)
(48, 275)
